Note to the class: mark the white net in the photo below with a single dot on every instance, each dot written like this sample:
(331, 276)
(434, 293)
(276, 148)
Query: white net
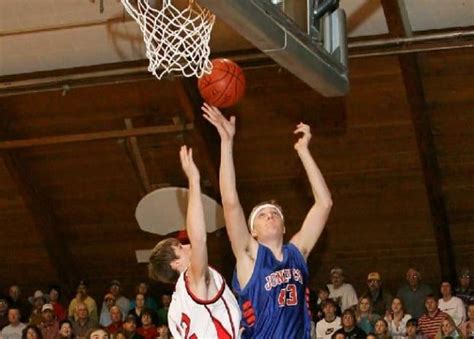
(176, 40)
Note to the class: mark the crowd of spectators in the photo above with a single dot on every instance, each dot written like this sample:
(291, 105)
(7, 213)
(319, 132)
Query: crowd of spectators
(43, 316)
(414, 312)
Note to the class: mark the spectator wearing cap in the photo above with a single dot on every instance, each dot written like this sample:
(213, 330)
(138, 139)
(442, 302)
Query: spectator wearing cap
(122, 302)
(83, 322)
(14, 299)
(130, 328)
(464, 291)
(413, 293)
(54, 293)
(109, 301)
(49, 325)
(327, 326)
(150, 302)
(431, 320)
(116, 320)
(83, 297)
(15, 328)
(450, 304)
(341, 292)
(381, 300)
(3, 313)
(37, 300)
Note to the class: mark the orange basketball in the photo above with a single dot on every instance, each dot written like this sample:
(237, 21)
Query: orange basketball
(224, 86)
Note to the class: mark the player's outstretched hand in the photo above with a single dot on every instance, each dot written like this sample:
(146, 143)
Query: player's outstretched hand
(303, 141)
(187, 163)
(225, 127)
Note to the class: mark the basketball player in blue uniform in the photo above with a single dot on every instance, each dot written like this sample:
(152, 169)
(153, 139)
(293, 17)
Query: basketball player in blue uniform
(271, 277)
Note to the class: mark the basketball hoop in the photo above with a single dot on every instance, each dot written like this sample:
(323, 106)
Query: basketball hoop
(176, 40)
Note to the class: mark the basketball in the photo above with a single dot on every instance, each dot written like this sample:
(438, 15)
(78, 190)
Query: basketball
(225, 86)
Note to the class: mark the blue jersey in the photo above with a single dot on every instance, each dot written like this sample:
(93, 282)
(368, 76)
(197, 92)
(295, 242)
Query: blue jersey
(274, 302)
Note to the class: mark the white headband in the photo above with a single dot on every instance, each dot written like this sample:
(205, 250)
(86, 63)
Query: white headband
(254, 213)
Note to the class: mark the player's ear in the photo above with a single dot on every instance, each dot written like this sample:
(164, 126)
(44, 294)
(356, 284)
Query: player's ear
(175, 264)
(284, 229)
(253, 233)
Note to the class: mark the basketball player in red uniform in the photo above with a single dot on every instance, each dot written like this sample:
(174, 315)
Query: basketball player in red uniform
(202, 305)
(271, 277)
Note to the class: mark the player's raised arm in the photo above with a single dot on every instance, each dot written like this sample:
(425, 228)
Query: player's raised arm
(317, 216)
(236, 224)
(195, 223)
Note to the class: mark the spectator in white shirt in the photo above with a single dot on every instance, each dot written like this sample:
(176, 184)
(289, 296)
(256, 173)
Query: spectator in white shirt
(450, 304)
(342, 293)
(14, 330)
(327, 326)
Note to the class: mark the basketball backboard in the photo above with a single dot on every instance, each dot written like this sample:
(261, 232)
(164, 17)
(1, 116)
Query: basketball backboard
(317, 55)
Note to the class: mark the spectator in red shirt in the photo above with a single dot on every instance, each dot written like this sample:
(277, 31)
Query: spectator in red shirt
(116, 317)
(148, 329)
(430, 322)
(54, 293)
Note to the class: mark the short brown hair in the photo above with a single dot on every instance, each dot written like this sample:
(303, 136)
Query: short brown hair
(162, 255)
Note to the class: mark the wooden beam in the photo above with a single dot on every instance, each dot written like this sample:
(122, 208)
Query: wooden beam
(83, 137)
(137, 158)
(44, 220)
(398, 24)
(134, 71)
(204, 136)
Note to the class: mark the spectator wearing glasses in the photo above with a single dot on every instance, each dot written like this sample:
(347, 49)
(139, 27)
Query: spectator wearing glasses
(413, 293)
(464, 291)
(381, 299)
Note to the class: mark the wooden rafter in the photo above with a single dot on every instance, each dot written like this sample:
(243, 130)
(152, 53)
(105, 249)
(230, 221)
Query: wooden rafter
(204, 138)
(137, 159)
(83, 137)
(44, 220)
(399, 26)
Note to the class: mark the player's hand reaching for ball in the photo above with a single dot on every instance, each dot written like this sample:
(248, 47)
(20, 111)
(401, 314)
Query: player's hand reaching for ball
(225, 127)
(187, 163)
(303, 141)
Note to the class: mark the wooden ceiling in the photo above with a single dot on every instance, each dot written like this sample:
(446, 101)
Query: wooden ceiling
(67, 209)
